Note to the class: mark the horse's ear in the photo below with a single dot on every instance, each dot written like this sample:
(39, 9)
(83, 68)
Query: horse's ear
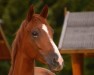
(44, 12)
(30, 13)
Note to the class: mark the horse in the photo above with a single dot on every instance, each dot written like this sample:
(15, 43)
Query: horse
(34, 41)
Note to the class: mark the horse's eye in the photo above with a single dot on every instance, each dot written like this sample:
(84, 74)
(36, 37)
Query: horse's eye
(35, 34)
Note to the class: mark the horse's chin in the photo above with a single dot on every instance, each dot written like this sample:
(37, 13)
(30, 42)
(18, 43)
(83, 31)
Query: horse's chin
(56, 69)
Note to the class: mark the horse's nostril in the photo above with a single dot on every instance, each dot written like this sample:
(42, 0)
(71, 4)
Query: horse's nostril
(55, 58)
(54, 61)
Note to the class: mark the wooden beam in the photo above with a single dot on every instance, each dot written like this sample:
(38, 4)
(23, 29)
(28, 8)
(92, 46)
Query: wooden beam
(71, 51)
(89, 55)
(2, 42)
(4, 38)
(4, 47)
(4, 53)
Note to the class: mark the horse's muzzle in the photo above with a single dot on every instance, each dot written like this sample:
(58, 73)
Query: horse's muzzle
(55, 66)
(55, 63)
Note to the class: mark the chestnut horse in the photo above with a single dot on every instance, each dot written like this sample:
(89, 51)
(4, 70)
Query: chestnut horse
(34, 41)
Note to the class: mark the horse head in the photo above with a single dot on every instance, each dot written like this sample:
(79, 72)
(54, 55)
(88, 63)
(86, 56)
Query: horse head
(37, 40)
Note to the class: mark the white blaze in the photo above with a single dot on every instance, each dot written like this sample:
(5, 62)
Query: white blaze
(60, 60)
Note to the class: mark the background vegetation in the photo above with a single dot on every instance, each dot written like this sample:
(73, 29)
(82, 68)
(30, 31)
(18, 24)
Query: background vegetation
(12, 12)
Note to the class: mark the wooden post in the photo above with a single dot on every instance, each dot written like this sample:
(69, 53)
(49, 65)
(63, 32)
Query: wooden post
(77, 64)
(65, 11)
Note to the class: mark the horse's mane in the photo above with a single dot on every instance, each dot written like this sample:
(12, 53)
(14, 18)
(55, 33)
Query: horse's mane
(17, 41)
(16, 44)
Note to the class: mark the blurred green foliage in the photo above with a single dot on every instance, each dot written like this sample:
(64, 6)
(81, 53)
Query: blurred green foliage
(14, 11)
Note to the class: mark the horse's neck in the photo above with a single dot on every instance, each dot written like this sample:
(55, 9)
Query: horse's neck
(23, 65)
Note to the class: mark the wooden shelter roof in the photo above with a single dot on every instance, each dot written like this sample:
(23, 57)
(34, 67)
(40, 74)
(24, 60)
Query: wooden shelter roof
(77, 32)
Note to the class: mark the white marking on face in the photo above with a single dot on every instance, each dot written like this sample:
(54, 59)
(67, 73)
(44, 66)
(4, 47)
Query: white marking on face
(60, 60)
(45, 28)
